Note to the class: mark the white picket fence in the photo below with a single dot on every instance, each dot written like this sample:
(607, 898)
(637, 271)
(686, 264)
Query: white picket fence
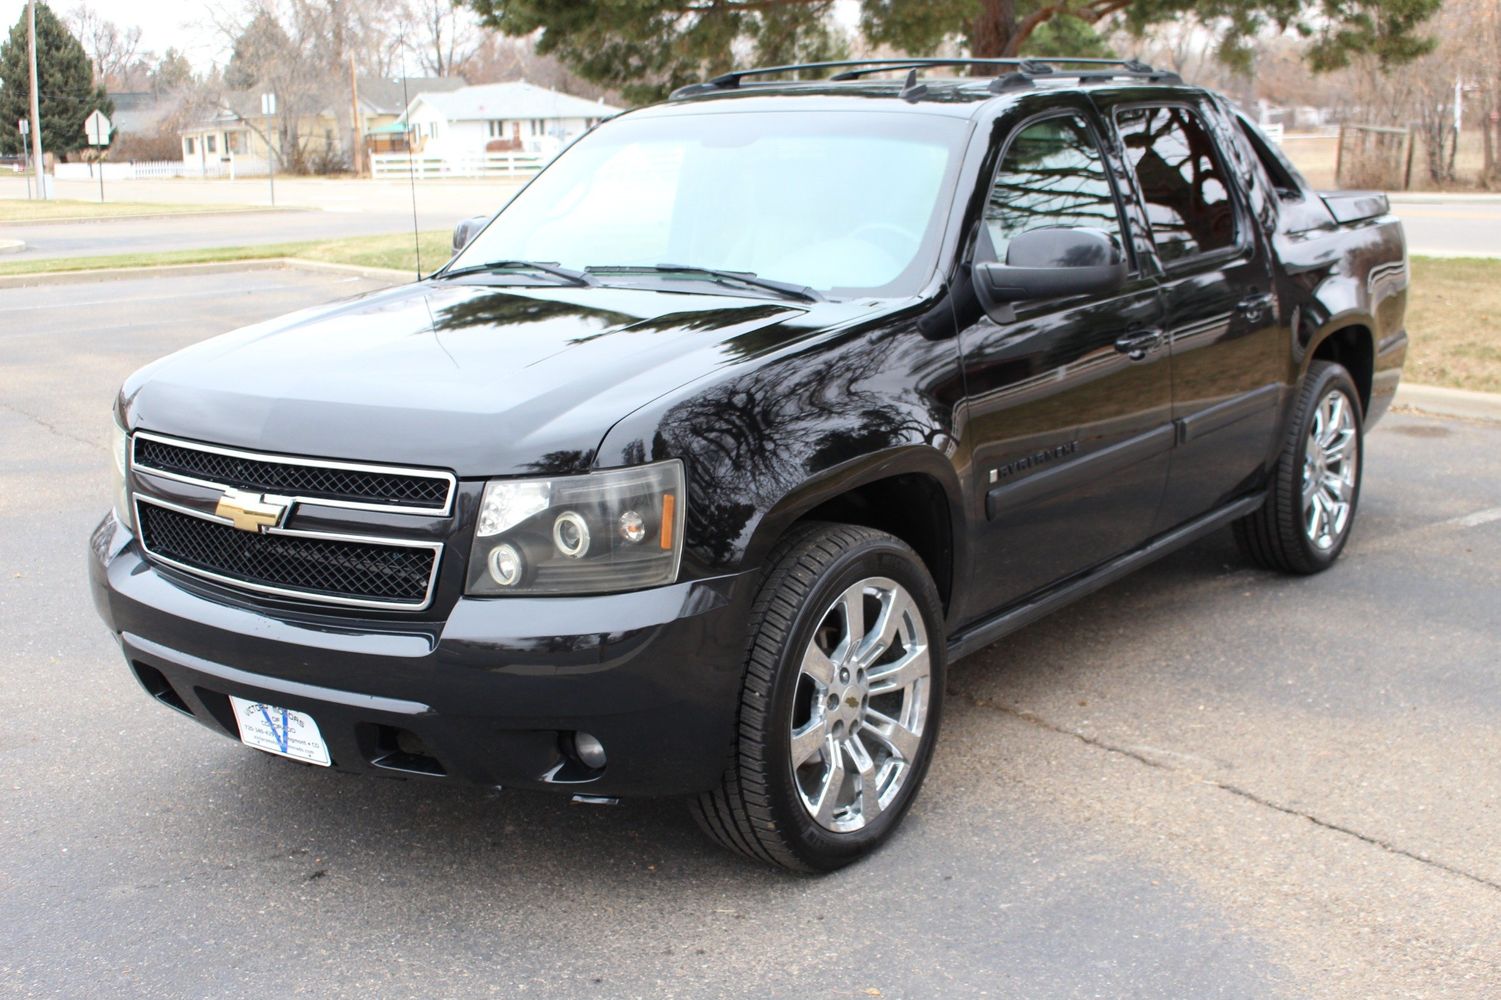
(232, 167)
(434, 166)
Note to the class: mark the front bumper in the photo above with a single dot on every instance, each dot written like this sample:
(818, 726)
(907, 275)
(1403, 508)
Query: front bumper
(491, 695)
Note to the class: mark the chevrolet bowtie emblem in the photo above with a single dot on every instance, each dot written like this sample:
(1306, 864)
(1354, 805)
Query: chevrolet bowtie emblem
(252, 511)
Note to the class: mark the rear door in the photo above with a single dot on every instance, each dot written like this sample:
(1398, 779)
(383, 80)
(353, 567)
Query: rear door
(1223, 321)
(1068, 409)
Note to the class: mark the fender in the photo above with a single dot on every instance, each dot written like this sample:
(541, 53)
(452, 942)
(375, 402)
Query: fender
(773, 437)
(848, 477)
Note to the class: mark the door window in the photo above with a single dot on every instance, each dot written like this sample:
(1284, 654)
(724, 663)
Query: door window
(1181, 180)
(1052, 175)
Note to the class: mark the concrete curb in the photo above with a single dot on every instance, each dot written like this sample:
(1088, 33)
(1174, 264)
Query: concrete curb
(12, 246)
(212, 267)
(1442, 402)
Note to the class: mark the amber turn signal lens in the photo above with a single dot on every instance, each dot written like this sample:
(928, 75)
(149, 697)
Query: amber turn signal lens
(669, 508)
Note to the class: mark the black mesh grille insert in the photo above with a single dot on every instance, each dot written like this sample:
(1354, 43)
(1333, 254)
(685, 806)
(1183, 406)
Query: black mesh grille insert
(318, 567)
(266, 475)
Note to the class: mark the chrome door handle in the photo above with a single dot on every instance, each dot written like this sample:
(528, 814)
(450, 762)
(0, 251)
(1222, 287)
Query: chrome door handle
(1137, 344)
(1256, 308)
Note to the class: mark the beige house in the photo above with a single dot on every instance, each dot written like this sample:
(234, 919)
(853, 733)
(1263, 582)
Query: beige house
(235, 138)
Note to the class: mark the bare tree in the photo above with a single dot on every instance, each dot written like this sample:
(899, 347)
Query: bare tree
(440, 34)
(113, 50)
(499, 58)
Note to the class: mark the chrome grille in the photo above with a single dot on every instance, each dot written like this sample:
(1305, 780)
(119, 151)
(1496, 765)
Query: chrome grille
(336, 484)
(339, 569)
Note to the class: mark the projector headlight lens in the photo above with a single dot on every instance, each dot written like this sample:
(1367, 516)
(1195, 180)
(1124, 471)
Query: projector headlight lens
(600, 533)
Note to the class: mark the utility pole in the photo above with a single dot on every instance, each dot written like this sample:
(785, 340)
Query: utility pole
(36, 108)
(356, 131)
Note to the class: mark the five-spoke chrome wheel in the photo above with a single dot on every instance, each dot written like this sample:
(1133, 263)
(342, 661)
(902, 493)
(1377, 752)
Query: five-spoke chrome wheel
(860, 705)
(1330, 470)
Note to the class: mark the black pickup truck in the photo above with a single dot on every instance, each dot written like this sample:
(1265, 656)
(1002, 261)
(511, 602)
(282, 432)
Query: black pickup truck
(700, 461)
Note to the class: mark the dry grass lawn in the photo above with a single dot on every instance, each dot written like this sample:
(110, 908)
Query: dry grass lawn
(394, 251)
(1454, 323)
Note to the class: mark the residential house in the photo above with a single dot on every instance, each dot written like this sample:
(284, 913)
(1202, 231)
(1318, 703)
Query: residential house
(382, 102)
(234, 137)
(500, 118)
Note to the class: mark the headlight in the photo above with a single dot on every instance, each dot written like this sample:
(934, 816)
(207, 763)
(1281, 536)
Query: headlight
(119, 448)
(594, 534)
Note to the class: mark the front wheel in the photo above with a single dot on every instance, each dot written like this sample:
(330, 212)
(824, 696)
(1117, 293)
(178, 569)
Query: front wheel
(840, 704)
(1311, 503)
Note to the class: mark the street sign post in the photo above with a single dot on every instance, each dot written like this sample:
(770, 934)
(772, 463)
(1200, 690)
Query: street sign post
(97, 128)
(268, 108)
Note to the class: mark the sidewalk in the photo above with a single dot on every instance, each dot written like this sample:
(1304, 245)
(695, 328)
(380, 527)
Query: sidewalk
(1444, 402)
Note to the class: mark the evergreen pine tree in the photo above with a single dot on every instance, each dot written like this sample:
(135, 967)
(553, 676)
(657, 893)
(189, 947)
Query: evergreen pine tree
(65, 80)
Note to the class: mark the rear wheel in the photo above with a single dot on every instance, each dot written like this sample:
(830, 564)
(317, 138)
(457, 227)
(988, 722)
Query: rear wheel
(840, 705)
(1315, 487)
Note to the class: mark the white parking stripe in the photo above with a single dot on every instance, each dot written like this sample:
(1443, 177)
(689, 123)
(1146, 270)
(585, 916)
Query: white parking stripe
(1476, 519)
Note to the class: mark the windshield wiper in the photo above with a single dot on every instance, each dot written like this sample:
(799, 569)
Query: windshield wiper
(745, 279)
(581, 278)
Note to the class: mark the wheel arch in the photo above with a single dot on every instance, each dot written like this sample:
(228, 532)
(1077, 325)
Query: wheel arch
(1347, 340)
(911, 493)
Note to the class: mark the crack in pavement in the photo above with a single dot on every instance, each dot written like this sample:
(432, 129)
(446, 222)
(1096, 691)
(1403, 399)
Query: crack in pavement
(1099, 744)
(47, 426)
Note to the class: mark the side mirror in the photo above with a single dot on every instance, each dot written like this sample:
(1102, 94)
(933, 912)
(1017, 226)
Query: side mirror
(1051, 264)
(467, 230)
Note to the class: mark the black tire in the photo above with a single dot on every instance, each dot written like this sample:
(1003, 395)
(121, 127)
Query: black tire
(759, 810)
(1277, 536)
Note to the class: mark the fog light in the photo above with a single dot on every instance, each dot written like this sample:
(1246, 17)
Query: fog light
(505, 565)
(570, 533)
(589, 750)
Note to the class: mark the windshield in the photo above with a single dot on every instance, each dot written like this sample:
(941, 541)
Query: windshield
(845, 204)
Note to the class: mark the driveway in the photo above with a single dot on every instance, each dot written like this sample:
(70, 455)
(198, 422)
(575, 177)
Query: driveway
(1205, 781)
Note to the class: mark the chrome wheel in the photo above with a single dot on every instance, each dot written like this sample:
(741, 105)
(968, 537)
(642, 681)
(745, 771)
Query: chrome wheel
(860, 706)
(1330, 460)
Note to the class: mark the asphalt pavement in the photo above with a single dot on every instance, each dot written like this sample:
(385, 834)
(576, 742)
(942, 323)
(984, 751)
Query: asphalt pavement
(1205, 781)
(309, 209)
(197, 232)
(1441, 225)
(1450, 226)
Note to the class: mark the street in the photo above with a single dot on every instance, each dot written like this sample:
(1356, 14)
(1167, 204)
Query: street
(315, 209)
(1456, 227)
(332, 209)
(1204, 781)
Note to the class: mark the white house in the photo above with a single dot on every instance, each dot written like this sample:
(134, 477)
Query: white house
(500, 118)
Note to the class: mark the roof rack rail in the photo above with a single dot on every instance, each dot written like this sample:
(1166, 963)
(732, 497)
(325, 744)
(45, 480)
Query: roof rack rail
(1023, 70)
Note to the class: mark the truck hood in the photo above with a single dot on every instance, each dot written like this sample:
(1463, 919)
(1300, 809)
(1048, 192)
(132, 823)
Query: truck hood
(480, 378)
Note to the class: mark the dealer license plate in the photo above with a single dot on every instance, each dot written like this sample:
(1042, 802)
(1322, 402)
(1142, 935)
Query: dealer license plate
(280, 731)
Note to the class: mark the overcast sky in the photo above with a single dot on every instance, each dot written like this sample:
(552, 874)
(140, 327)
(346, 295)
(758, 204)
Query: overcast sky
(163, 25)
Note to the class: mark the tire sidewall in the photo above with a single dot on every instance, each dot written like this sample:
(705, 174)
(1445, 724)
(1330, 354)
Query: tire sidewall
(1328, 378)
(819, 848)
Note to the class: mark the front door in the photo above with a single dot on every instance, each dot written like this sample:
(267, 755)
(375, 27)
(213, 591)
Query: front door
(1228, 358)
(1068, 411)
